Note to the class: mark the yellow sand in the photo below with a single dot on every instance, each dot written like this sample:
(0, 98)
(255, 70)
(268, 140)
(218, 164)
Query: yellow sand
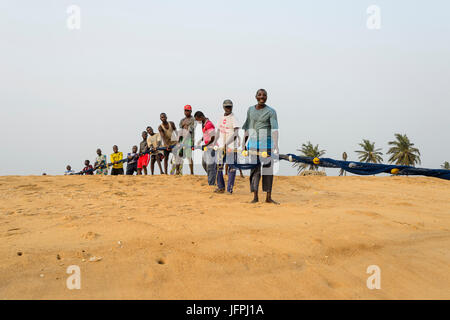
(178, 240)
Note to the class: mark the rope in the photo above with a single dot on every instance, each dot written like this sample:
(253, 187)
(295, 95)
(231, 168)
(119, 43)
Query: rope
(359, 168)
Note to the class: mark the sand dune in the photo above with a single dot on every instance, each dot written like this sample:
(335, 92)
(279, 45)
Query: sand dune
(171, 238)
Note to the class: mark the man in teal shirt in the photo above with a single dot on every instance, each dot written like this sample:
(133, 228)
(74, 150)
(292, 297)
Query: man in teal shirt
(261, 132)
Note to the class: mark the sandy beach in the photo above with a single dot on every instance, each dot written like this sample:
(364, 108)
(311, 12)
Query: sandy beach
(166, 237)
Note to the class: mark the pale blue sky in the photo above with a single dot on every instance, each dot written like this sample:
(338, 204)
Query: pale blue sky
(333, 82)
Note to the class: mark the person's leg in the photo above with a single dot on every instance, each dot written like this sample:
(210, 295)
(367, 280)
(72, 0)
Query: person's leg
(231, 179)
(121, 171)
(187, 154)
(129, 169)
(230, 161)
(191, 166)
(267, 180)
(255, 176)
(211, 167)
(242, 175)
(220, 180)
(152, 164)
(166, 161)
(145, 161)
(172, 165)
(179, 160)
(158, 160)
(139, 166)
(204, 165)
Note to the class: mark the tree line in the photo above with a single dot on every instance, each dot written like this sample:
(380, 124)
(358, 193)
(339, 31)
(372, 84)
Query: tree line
(401, 152)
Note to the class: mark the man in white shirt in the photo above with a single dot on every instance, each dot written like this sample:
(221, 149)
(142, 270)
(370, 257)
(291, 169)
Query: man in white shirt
(228, 142)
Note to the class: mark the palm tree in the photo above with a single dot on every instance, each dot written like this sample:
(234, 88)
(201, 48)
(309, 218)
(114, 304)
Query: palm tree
(369, 153)
(402, 151)
(308, 150)
(446, 165)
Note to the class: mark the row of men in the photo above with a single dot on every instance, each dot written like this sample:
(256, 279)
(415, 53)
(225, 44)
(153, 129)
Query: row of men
(156, 147)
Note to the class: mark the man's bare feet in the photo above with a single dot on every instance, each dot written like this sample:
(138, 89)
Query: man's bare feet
(254, 200)
(269, 199)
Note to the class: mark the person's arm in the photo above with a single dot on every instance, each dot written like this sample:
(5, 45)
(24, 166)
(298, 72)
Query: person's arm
(274, 128)
(210, 141)
(174, 127)
(244, 142)
(245, 126)
(192, 133)
(212, 132)
(233, 137)
(181, 133)
(217, 135)
(199, 143)
(275, 141)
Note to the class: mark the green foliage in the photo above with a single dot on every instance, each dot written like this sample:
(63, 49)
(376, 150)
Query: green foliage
(402, 151)
(369, 153)
(309, 150)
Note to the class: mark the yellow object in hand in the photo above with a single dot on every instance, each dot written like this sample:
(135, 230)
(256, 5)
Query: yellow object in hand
(395, 171)
(264, 154)
(245, 153)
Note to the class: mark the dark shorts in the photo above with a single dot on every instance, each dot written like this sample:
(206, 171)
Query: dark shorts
(156, 156)
(116, 172)
(131, 168)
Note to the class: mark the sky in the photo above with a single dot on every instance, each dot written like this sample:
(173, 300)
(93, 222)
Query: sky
(332, 80)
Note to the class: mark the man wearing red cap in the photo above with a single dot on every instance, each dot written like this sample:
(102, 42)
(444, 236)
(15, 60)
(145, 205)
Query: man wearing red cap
(187, 129)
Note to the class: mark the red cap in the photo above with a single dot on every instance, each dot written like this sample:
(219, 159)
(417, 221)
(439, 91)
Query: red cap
(188, 107)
